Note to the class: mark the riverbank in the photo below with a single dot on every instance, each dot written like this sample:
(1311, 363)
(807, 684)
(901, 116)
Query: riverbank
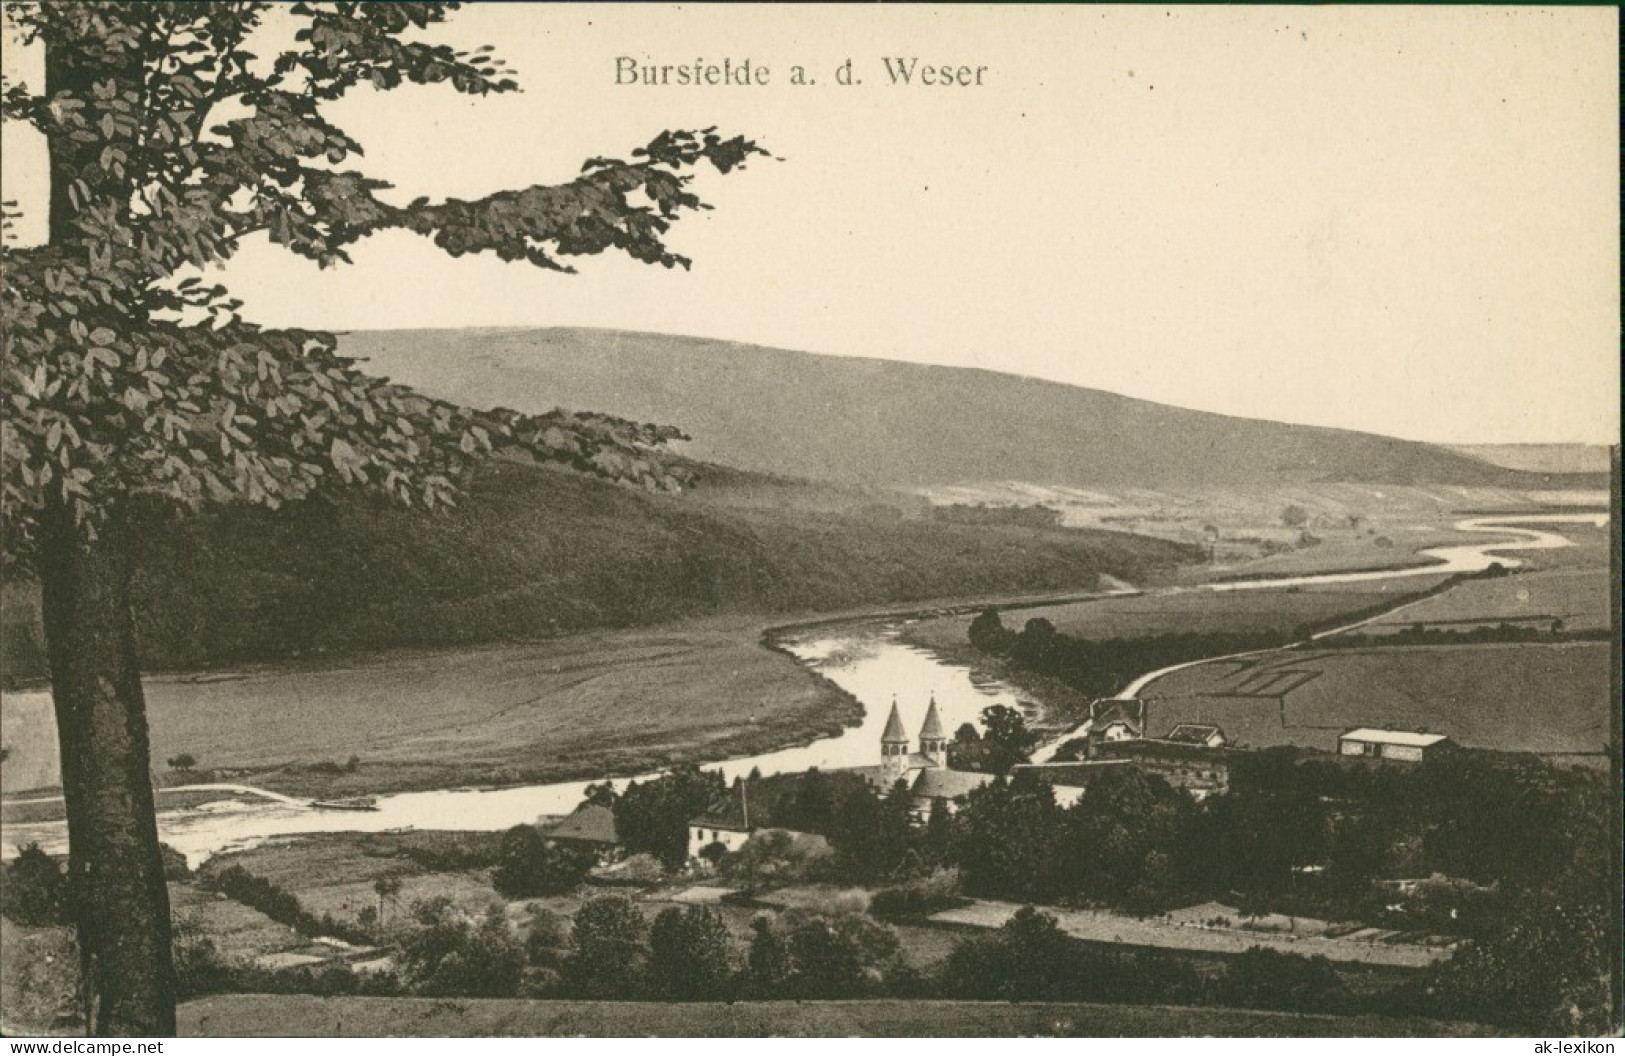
(570, 708)
(575, 707)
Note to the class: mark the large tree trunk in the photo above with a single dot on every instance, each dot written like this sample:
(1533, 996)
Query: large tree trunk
(120, 902)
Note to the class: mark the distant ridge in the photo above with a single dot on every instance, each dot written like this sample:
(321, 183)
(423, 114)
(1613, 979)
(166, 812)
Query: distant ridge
(871, 421)
(1540, 458)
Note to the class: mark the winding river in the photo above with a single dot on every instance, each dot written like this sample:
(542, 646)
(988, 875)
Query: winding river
(864, 657)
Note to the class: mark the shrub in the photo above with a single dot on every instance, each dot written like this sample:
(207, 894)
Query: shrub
(918, 898)
(836, 955)
(175, 867)
(33, 890)
(452, 957)
(775, 856)
(1263, 978)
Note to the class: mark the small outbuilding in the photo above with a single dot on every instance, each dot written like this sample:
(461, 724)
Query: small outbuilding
(1404, 745)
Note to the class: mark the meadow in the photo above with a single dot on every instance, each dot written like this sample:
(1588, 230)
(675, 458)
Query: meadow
(1147, 616)
(578, 706)
(1552, 699)
(1577, 598)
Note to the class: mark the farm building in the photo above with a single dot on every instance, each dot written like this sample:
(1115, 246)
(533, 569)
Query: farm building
(1404, 745)
(590, 826)
(1116, 719)
(1200, 769)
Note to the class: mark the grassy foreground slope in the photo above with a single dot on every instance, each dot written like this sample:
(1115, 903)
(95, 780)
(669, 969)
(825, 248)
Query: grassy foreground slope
(875, 421)
(250, 1015)
(536, 551)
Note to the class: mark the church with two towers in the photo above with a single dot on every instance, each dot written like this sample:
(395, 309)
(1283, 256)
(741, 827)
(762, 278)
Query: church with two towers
(925, 773)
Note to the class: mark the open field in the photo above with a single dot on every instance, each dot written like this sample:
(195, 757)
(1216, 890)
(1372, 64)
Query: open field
(1579, 597)
(574, 707)
(255, 1015)
(1309, 938)
(334, 873)
(1592, 549)
(1554, 699)
(1238, 612)
(241, 933)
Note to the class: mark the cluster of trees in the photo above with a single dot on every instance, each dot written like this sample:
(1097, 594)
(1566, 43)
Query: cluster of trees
(688, 954)
(1119, 845)
(1101, 668)
(528, 866)
(1420, 634)
(652, 817)
(1006, 742)
(1035, 517)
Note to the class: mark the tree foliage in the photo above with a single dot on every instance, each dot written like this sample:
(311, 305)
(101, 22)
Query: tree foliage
(652, 816)
(175, 132)
(127, 374)
(451, 956)
(529, 866)
(690, 957)
(611, 941)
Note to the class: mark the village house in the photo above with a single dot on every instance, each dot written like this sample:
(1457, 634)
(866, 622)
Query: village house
(1197, 768)
(590, 826)
(1192, 763)
(1115, 719)
(727, 823)
(1402, 745)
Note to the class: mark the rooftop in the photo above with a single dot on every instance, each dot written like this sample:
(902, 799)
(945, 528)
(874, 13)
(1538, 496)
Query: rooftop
(590, 823)
(726, 813)
(1408, 738)
(894, 728)
(1193, 733)
(948, 784)
(932, 730)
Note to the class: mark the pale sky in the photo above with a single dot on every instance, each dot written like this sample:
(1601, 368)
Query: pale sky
(1402, 220)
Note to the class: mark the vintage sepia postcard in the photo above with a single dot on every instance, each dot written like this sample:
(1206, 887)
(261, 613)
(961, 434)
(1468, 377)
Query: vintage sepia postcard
(605, 520)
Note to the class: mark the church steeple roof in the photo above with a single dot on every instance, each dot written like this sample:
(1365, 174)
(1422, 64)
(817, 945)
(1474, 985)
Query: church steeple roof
(932, 730)
(894, 728)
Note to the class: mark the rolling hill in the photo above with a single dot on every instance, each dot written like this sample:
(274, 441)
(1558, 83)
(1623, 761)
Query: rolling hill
(534, 551)
(880, 422)
(1540, 458)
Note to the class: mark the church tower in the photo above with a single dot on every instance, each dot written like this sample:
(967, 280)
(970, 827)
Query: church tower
(894, 748)
(933, 745)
